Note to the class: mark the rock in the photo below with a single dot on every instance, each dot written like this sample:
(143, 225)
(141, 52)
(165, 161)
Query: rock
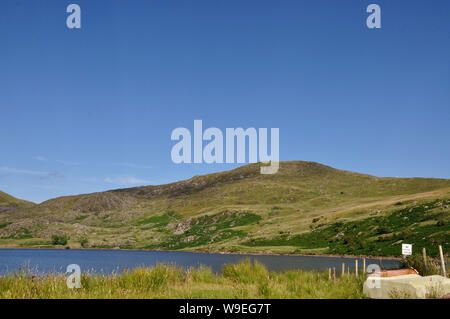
(183, 227)
(190, 238)
(411, 286)
(210, 229)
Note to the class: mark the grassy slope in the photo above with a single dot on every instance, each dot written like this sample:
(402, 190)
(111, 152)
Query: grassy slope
(242, 210)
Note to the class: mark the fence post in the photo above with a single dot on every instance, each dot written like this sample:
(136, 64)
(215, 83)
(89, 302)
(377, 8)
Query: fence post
(424, 254)
(343, 269)
(444, 272)
(364, 265)
(329, 273)
(356, 267)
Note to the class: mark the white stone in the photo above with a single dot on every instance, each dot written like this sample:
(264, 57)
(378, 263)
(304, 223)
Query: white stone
(406, 286)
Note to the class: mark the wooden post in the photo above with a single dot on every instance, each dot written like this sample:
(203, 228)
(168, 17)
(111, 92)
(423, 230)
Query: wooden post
(343, 269)
(364, 265)
(381, 264)
(424, 254)
(348, 270)
(444, 272)
(356, 267)
(334, 273)
(329, 273)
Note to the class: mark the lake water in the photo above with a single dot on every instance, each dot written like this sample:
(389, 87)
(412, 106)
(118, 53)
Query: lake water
(108, 261)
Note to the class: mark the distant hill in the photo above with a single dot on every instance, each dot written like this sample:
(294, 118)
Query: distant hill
(240, 210)
(10, 202)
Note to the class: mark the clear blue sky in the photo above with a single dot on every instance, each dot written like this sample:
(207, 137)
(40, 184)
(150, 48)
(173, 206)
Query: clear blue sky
(93, 109)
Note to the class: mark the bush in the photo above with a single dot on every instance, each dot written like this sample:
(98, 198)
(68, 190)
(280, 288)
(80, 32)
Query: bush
(442, 222)
(84, 241)
(404, 234)
(59, 240)
(383, 230)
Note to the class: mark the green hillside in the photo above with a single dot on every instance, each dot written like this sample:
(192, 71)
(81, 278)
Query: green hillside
(305, 208)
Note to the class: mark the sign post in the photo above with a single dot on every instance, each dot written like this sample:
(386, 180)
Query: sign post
(406, 249)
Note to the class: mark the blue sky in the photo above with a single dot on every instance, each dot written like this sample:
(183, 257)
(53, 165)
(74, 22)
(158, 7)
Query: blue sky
(93, 109)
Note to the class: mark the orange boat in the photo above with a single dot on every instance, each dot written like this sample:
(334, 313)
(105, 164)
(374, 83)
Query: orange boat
(398, 272)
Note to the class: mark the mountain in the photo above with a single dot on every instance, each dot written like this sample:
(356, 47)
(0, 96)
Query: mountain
(304, 208)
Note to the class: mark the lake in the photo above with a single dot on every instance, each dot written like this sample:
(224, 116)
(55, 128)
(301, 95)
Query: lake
(109, 261)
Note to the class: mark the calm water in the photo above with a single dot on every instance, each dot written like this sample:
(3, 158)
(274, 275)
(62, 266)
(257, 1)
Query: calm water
(108, 261)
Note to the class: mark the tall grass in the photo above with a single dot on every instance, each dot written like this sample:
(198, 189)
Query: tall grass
(243, 280)
(428, 268)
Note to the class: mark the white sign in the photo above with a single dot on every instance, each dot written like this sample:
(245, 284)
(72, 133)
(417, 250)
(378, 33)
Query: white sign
(406, 249)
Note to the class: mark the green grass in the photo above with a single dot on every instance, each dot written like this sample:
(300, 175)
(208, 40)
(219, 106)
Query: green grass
(159, 221)
(244, 280)
(81, 217)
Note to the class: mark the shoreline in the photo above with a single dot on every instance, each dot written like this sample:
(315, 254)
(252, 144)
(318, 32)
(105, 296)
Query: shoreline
(218, 252)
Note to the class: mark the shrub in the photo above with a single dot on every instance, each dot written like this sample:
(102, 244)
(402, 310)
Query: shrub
(383, 230)
(404, 234)
(442, 222)
(84, 241)
(59, 240)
